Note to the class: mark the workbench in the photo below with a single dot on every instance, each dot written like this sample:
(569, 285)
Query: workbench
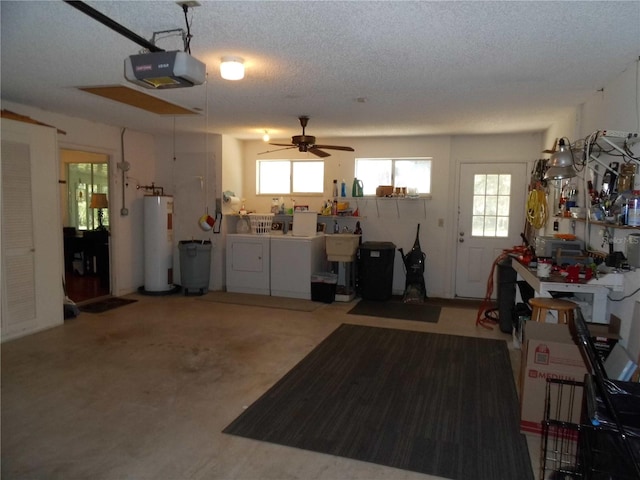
(598, 287)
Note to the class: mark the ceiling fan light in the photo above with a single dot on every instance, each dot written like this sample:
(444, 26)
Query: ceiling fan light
(265, 137)
(232, 68)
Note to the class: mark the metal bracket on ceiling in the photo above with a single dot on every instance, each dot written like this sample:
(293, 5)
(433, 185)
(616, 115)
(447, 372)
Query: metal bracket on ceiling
(175, 31)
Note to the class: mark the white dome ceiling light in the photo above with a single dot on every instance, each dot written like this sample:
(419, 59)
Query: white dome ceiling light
(232, 68)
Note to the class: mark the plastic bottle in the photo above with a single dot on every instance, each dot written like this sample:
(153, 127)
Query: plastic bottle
(633, 209)
(343, 188)
(335, 188)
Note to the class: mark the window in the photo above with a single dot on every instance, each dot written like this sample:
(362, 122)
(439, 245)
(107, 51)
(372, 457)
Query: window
(286, 177)
(490, 216)
(412, 173)
(83, 180)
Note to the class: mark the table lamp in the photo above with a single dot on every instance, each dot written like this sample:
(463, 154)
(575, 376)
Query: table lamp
(99, 201)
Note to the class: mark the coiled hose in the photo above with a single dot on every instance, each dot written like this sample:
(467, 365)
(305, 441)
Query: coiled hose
(537, 210)
(485, 316)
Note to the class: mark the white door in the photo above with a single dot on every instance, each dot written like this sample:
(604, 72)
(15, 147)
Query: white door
(491, 216)
(32, 266)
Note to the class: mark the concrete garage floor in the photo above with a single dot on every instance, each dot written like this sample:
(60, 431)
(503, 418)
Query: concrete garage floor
(144, 391)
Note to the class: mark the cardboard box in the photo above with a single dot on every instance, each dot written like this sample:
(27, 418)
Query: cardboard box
(548, 351)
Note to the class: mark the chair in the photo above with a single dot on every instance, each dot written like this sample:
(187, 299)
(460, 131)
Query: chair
(541, 306)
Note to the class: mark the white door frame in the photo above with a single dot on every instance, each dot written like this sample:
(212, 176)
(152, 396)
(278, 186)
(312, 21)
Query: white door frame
(113, 219)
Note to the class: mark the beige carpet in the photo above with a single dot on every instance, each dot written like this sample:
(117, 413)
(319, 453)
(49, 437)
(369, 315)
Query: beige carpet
(248, 299)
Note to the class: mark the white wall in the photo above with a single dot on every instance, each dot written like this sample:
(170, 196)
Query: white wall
(396, 221)
(192, 177)
(616, 108)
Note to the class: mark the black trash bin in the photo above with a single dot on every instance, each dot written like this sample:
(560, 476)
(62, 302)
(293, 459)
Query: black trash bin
(375, 270)
(195, 261)
(506, 294)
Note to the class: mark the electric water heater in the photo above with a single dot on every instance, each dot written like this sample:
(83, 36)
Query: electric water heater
(158, 243)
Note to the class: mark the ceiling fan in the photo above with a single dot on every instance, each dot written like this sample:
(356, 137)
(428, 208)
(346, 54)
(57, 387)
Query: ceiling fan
(307, 143)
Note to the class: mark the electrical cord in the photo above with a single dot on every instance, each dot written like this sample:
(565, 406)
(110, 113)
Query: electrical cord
(486, 302)
(187, 40)
(537, 209)
(625, 297)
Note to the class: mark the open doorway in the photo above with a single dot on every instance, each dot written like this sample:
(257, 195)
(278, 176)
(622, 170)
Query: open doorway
(85, 220)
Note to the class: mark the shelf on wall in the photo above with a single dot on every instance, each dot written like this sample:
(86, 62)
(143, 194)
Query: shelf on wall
(604, 224)
(363, 202)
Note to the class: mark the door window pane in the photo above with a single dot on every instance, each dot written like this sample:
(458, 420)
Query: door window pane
(477, 226)
(503, 206)
(490, 216)
(491, 205)
(492, 184)
(479, 184)
(478, 205)
(502, 228)
(504, 185)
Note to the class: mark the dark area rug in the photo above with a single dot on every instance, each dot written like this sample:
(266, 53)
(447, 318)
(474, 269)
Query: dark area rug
(106, 304)
(454, 302)
(420, 312)
(437, 404)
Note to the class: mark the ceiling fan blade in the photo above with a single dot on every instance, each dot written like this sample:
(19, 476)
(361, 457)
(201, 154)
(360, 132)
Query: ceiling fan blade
(335, 147)
(277, 149)
(283, 144)
(318, 153)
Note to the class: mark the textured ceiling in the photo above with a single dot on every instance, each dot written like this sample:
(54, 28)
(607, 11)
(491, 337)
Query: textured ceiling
(420, 67)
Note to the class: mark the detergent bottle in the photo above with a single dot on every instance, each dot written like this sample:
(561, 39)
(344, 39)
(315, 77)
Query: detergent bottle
(357, 188)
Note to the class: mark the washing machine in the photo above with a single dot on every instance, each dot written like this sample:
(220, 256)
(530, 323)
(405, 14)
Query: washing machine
(293, 260)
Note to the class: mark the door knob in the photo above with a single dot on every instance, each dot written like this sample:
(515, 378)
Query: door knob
(462, 234)
(461, 240)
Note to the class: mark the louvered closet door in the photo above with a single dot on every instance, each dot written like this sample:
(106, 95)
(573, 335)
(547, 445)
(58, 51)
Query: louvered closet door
(32, 296)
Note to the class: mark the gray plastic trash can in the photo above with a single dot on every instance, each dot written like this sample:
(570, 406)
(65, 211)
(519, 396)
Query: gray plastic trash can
(195, 262)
